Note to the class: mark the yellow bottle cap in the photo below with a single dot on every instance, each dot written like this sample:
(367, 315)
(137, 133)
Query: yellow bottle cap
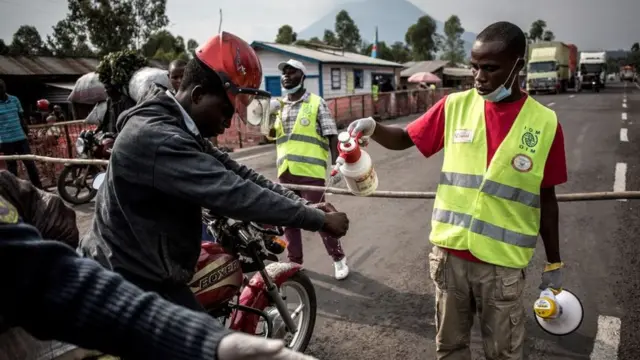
(545, 307)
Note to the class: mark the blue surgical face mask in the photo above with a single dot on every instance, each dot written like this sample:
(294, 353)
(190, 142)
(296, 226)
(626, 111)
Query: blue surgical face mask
(294, 89)
(502, 92)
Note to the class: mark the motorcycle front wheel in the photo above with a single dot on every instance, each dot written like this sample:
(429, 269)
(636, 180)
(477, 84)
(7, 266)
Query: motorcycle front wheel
(302, 310)
(75, 183)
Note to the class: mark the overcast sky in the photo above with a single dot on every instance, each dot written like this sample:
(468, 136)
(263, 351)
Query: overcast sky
(590, 24)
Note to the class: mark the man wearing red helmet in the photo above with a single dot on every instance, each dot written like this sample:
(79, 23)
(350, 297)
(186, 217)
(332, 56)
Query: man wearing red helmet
(162, 171)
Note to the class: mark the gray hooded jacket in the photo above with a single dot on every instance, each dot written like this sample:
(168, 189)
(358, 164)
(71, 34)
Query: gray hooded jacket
(160, 175)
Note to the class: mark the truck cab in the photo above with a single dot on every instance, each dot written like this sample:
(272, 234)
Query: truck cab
(593, 69)
(550, 67)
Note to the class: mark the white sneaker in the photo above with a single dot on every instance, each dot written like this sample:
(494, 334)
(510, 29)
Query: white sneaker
(341, 268)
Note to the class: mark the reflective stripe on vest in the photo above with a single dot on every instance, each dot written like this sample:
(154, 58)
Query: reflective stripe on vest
(303, 152)
(494, 211)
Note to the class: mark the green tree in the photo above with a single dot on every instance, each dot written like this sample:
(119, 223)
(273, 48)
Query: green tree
(400, 52)
(330, 38)
(27, 41)
(149, 16)
(163, 46)
(114, 25)
(67, 41)
(422, 39)
(635, 47)
(383, 51)
(161, 40)
(286, 35)
(192, 45)
(539, 31)
(347, 31)
(312, 41)
(397, 52)
(4, 49)
(453, 43)
(634, 59)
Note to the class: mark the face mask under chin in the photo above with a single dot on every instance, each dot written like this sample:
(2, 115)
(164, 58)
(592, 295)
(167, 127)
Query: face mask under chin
(502, 92)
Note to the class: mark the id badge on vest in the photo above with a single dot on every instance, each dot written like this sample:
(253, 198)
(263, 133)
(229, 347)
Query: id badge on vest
(462, 136)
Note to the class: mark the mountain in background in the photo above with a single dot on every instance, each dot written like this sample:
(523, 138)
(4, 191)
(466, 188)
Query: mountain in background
(392, 17)
(617, 54)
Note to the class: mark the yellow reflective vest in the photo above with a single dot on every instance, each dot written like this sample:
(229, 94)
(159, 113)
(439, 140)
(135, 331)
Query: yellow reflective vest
(494, 211)
(304, 152)
(374, 92)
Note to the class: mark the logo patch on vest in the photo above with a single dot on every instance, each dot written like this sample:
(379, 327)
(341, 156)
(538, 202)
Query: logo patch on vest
(522, 163)
(305, 122)
(463, 136)
(8, 213)
(529, 140)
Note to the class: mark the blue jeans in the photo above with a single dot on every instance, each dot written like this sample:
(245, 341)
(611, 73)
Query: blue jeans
(21, 148)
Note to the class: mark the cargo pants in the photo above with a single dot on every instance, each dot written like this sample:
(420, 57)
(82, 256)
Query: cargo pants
(464, 288)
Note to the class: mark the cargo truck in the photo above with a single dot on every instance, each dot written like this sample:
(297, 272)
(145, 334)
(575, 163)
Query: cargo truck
(593, 69)
(627, 73)
(552, 67)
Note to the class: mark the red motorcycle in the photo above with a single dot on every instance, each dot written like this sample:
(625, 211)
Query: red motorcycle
(258, 305)
(79, 178)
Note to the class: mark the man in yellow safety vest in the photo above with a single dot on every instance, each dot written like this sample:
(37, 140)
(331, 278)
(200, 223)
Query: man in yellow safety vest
(504, 153)
(305, 132)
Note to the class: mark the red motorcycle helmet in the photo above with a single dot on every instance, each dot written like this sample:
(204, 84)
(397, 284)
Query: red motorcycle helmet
(43, 104)
(240, 71)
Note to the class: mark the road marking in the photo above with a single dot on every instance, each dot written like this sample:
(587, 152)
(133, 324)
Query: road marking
(624, 116)
(607, 339)
(624, 105)
(620, 179)
(624, 136)
(571, 96)
(551, 104)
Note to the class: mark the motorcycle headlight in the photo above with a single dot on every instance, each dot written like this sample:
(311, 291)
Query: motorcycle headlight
(80, 145)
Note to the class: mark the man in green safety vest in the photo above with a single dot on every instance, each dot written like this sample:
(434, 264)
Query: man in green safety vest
(305, 132)
(504, 154)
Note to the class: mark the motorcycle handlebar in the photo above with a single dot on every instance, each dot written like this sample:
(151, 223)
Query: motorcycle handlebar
(267, 230)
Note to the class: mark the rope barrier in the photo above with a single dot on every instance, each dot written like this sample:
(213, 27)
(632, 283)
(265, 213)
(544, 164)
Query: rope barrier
(593, 196)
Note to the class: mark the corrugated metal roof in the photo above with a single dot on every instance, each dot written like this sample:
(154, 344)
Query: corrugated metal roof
(424, 66)
(326, 56)
(46, 65)
(457, 72)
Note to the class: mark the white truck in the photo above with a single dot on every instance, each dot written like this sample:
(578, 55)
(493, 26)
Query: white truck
(593, 69)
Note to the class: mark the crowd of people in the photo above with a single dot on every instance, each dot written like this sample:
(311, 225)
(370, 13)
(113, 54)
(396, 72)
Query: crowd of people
(128, 295)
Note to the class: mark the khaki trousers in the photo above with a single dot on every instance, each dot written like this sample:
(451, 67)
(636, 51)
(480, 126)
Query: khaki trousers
(464, 288)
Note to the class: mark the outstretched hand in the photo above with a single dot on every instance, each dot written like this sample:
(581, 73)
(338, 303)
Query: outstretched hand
(239, 346)
(325, 206)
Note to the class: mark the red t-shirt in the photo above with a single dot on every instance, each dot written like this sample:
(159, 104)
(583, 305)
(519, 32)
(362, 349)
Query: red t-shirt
(427, 133)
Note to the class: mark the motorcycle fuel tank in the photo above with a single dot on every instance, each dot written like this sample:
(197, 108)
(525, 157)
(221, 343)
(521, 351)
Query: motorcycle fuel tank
(218, 276)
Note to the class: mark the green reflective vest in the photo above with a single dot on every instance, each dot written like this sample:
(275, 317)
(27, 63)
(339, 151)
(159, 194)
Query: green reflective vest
(374, 92)
(303, 152)
(494, 211)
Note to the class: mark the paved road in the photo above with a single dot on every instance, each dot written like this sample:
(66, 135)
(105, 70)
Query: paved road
(385, 308)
